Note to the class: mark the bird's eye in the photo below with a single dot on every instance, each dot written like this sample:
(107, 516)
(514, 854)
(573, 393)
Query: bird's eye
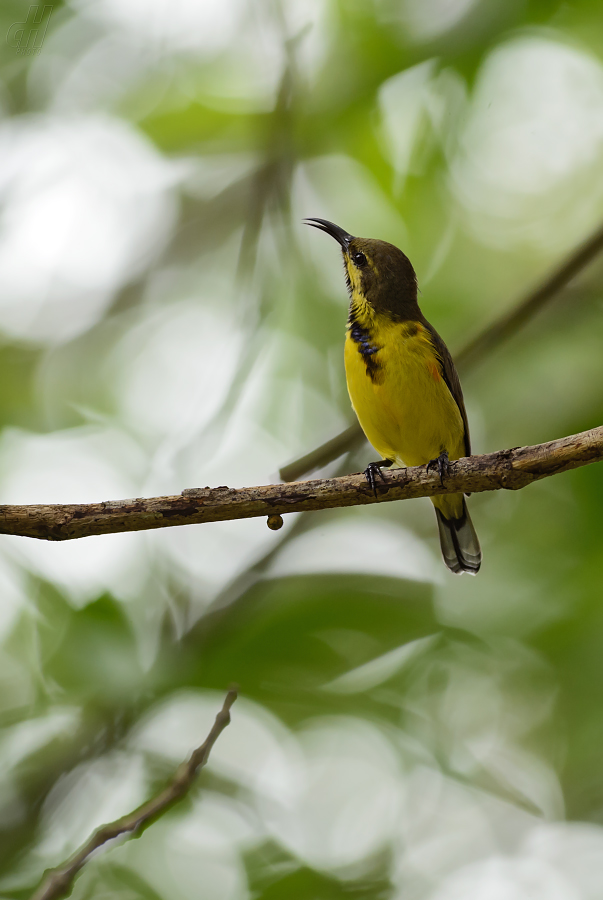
(359, 260)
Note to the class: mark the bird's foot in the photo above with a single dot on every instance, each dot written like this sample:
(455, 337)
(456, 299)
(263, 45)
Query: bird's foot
(373, 469)
(441, 463)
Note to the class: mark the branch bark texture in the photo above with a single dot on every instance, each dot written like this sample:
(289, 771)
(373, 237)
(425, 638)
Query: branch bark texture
(58, 882)
(509, 469)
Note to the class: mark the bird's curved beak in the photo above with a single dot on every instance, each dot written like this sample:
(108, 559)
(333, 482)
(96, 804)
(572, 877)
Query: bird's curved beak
(341, 236)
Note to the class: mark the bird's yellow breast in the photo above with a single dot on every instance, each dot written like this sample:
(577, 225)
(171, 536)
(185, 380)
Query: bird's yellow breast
(398, 392)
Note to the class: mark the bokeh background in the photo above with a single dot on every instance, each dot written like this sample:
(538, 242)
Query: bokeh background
(166, 322)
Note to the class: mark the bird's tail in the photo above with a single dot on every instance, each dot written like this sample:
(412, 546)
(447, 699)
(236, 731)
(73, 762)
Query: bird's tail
(459, 543)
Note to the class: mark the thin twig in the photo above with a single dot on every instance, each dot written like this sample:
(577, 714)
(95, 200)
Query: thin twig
(510, 469)
(511, 322)
(58, 882)
(471, 354)
(344, 442)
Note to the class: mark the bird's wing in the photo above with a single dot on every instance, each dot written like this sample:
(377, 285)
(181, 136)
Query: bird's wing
(450, 376)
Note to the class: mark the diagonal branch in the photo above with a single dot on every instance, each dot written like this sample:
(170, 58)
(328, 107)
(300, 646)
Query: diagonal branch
(58, 882)
(513, 320)
(472, 353)
(510, 469)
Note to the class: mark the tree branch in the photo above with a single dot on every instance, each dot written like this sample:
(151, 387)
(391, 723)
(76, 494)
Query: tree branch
(344, 442)
(510, 469)
(58, 882)
(472, 353)
(512, 321)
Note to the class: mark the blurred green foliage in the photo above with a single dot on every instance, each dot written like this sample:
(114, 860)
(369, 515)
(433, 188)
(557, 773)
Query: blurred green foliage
(165, 322)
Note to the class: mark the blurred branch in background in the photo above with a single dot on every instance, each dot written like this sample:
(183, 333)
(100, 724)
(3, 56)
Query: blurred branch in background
(510, 323)
(59, 881)
(472, 353)
(166, 322)
(510, 469)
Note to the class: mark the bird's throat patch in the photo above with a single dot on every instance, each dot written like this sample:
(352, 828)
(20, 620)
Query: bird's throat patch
(367, 348)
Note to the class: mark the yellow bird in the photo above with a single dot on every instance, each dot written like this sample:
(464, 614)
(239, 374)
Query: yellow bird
(402, 382)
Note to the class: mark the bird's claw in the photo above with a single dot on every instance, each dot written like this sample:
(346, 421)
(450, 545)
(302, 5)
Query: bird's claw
(369, 473)
(441, 463)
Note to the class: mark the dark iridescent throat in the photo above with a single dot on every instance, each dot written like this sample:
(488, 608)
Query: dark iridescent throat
(365, 342)
(387, 287)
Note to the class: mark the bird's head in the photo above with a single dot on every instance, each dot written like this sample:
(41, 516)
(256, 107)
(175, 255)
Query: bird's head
(377, 273)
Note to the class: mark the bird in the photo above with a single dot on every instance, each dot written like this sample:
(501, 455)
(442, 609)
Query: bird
(402, 382)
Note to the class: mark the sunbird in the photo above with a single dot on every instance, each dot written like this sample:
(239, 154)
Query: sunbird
(402, 382)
